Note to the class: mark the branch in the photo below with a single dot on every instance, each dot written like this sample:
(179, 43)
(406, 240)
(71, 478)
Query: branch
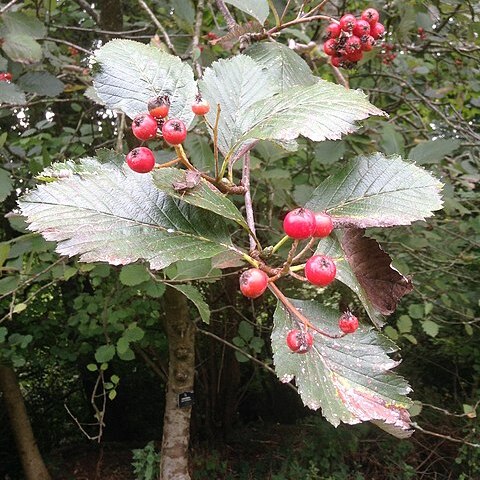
(7, 6)
(86, 6)
(248, 201)
(70, 44)
(231, 23)
(157, 23)
(196, 35)
(446, 437)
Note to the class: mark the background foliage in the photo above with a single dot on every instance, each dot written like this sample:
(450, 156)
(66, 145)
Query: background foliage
(71, 329)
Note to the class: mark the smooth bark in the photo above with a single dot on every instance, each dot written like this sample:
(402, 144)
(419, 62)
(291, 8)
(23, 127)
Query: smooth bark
(181, 370)
(33, 466)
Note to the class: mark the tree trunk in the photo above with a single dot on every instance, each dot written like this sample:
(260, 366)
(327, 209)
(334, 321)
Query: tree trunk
(181, 370)
(32, 461)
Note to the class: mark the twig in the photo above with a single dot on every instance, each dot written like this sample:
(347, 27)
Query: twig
(446, 437)
(196, 35)
(248, 201)
(305, 250)
(98, 31)
(339, 76)
(157, 23)
(87, 7)
(167, 164)
(8, 5)
(215, 140)
(70, 44)
(231, 23)
(294, 311)
(121, 129)
(250, 357)
(150, 363)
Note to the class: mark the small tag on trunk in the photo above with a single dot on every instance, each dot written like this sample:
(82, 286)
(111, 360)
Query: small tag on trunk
(186, 399)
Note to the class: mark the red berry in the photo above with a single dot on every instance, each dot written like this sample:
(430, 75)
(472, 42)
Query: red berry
(362, 27)
(299, 342)
(333, 30)
(320, 270)
(5, 77)
(348, 22)
(253, 282)
(352, 45)
(159, 106)
(299, 223)
(329, 46)
(371, 16)
(323, 225)
(378, 31)
(354, 56)
(348, 322)
(144, 126)
(212, 36)
(338, 61)
(174, 131)
(368, 42)
(141, 160)
(200, 106)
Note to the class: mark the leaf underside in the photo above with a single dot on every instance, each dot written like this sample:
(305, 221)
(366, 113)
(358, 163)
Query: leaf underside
(128, 74)
(106, 212)
(378, 191)
(256, 8)
(349, 378)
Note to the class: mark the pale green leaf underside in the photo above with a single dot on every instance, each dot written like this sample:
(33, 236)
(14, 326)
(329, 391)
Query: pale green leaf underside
(204, 195)
(348, 378)
(109, 213)
(236, 84)
(322, 111)
(433, 151)
(282, 64)
(196, 298)
(378, 191)
(256, 8)
(128, 74)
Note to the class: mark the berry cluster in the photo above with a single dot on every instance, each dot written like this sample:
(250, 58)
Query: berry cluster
(5, 77)
(146, 126)
(350, 37)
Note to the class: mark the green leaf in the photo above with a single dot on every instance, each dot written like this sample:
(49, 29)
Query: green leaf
(4, 251)
(19, 307)
(430, 328)
(282, 64)
(132, 275)
(378, 191)
(349, 378)
(128, 74)
(404, 324)
(6, 184)
(106, 212)
(22, 49)
(123, 345)
(203, 195)
(18, 23)
(329, 151)
(236, 84)
(196, 298)
(392, 141)
(245, 330)
(433, 151)
(199, 152)
(391, 332)
(134, 333)
(366, 269)
(3, 334)
(416, 310)
(199, 269)
(11, 94)
(92, 367)
(256, 8)
(105, 353)
(42, 83)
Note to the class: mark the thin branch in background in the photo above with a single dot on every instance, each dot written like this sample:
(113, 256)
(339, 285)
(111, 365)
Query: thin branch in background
(157, 23)
(248, 201)
(121, 130)
(98, 31)
(250, 357)
(446, 437)
(87, 7)
(231, 23)
(70, 44)
(196, 35)
(339, 76)
(8, 5)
